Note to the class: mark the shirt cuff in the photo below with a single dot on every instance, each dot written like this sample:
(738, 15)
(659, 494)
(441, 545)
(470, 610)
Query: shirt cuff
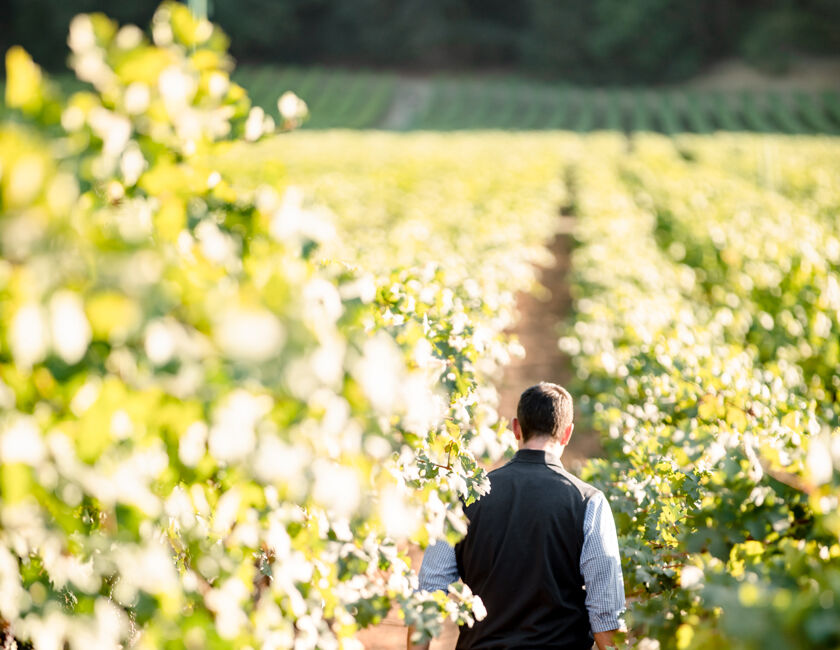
(605, 622)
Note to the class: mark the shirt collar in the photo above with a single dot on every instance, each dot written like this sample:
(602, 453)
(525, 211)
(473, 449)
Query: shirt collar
(537, 457)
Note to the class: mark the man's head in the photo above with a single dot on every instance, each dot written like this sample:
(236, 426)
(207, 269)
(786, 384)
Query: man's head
(544, 411)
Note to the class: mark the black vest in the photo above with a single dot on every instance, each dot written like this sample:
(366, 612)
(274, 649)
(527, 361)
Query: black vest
(521, 554)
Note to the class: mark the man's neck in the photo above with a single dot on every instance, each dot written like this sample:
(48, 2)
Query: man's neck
(543, 443)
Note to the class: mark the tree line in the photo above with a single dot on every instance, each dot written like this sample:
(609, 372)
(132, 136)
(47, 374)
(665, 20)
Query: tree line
(598, 41)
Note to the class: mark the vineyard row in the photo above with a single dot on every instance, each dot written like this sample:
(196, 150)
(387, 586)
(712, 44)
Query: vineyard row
(342, 99)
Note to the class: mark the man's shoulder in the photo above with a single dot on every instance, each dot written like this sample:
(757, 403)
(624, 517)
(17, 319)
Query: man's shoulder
(587, 490)
(509, 470)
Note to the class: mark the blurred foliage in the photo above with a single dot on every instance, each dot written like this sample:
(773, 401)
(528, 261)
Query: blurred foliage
(594, 42)
(221, 410)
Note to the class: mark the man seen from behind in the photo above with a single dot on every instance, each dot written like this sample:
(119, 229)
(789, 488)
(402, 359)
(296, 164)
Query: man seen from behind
(541, 548)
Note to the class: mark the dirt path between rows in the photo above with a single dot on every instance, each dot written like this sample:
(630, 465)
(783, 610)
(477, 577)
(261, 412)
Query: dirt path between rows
(540, 314)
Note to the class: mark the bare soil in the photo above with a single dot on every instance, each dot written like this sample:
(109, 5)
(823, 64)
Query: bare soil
(805, 73)
(538, 330)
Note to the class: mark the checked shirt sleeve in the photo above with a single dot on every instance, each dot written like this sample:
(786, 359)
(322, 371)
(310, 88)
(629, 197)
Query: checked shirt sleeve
(439, 568)
(600, 565)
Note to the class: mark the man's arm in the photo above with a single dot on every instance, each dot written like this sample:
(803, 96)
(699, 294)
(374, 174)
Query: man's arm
(603, 640)
(438, 570)
(600, 565)
(414, 646)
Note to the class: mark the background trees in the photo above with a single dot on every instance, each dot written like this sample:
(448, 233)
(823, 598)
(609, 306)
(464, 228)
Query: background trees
(601, 41)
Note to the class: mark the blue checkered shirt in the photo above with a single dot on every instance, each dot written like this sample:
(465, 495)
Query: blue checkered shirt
(600, 566)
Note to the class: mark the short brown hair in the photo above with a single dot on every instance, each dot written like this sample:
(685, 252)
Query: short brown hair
(545, 409)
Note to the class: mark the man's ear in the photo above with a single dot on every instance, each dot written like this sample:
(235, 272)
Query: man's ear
(567, 434)
(517, 430)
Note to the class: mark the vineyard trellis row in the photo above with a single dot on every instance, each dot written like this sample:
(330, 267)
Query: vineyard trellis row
(344, 99)
(706, 335)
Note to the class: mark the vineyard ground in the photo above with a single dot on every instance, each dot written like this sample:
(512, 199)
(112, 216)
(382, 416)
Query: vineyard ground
(806, 73)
